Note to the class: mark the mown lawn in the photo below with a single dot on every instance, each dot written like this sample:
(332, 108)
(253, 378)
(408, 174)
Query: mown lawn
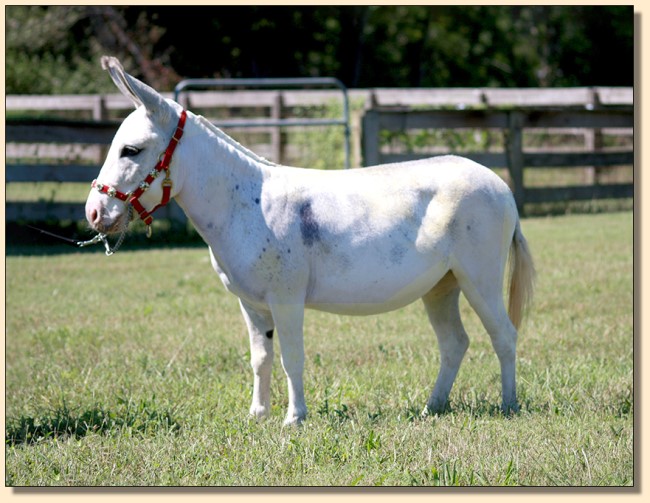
(133, 370)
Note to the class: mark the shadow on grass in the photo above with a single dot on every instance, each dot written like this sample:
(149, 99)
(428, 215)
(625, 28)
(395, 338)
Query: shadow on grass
(25, 241)
(62, 422)
(340, 413)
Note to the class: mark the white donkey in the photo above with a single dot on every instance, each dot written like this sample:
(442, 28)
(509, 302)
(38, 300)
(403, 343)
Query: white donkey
(355, 242)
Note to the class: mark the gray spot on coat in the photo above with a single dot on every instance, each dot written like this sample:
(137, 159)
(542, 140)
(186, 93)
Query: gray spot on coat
(309, 229)
(397, 253)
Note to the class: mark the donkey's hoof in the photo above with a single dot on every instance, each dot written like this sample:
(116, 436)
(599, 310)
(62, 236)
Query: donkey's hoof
(295, 419)
(259, 412)
(436, 408)
(510, 409)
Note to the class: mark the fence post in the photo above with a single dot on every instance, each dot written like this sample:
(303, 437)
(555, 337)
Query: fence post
(100, 113)
(515, 156)
(99, 108)
(593, 141)
(370, 138)
(276, 132)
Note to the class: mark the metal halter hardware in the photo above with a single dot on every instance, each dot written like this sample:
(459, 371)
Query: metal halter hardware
(133, 198)
(99, 237)
(104, 238)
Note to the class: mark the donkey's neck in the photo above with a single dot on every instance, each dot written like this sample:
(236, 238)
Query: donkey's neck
(227, 140)
(221, 180)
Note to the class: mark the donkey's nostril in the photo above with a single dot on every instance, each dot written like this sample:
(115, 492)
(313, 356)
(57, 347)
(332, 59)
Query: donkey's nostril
(94, 216)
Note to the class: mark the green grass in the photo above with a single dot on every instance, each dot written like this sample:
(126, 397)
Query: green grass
(133, 370)
(54, 192)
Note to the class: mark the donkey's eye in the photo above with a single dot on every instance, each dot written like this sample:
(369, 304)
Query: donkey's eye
(129, 151)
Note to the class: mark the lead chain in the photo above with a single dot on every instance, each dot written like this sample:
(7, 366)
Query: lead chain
(110, 250)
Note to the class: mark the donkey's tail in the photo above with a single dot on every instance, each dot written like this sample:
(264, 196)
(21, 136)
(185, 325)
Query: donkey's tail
(522, 277)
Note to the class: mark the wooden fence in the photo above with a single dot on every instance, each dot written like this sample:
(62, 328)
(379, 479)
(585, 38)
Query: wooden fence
(61, 149)
(228, 106)
(513, 122)
(45, 141)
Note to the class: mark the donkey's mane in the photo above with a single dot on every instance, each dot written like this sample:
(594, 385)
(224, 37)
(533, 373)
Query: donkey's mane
(238, 146)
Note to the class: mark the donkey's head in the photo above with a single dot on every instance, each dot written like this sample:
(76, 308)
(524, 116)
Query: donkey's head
(138, 149)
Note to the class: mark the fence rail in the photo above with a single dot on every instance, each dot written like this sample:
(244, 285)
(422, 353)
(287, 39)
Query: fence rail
(98, 106)
(71, 150)
(90, 135)
(512, 122)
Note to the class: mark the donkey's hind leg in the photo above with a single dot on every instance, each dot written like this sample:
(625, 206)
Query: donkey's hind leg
(484, 294)
(441, 304)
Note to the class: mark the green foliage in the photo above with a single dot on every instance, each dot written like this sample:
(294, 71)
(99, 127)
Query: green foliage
(48, 51)
(134, 370)
(56, 49)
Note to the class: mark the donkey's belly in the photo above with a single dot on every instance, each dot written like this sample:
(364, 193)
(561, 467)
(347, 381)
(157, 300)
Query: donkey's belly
(387, 290)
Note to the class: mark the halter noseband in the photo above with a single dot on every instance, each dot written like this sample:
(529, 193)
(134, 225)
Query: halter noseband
(133, 198)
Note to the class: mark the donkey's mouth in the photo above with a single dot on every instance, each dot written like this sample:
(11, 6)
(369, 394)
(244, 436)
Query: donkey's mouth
(110, 226)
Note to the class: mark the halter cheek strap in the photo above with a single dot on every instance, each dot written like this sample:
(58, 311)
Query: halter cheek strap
(133, 198)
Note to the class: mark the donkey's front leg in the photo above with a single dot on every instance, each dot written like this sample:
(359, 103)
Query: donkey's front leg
(260, 330)
(288, 320)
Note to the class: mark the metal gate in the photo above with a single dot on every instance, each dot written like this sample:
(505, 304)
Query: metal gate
(344, 121)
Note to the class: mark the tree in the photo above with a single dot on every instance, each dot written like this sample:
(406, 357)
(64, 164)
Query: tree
(56, 49)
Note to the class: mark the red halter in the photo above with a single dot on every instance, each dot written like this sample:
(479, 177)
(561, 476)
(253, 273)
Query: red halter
(133, 198)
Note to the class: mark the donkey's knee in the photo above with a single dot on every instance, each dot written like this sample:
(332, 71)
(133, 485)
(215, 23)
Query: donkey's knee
(261, 359)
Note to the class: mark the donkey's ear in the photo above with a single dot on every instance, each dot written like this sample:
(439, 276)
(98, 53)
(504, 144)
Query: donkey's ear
(117, 73)
(140, 93)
